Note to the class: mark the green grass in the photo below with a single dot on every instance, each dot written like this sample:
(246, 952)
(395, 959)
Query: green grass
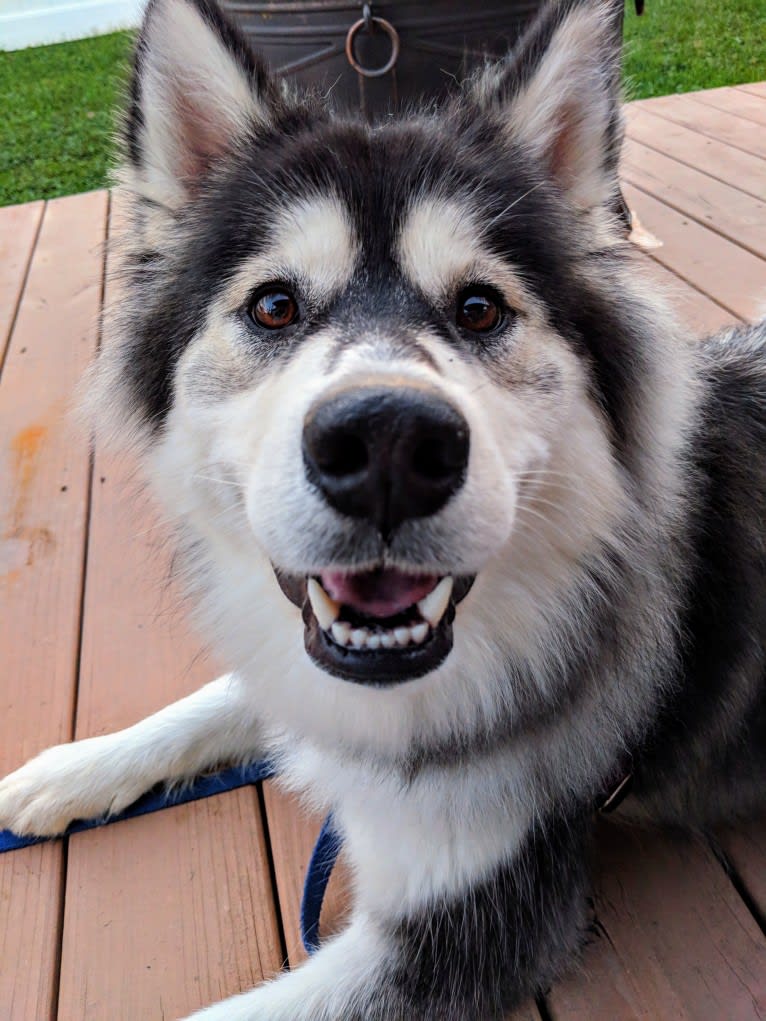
(57, 117)
(57, 102)
(682, 45)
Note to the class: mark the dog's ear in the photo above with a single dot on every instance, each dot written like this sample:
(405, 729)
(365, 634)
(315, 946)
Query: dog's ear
(558, 95)
(197, 91)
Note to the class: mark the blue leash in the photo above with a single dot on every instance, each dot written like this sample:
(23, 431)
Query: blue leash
(318, 873)
(319, 869)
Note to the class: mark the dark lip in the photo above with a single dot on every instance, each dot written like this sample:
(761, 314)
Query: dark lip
(383, 667)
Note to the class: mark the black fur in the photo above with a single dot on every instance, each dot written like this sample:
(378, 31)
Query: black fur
(715, 721)
(478, 956)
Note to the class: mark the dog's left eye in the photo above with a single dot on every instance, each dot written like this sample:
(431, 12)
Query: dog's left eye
(478, 310)
(273, 308)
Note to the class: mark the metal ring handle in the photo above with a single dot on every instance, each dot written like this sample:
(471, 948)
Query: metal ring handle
(393, 35)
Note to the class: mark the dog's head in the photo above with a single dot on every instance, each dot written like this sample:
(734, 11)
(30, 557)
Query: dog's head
(387, 374)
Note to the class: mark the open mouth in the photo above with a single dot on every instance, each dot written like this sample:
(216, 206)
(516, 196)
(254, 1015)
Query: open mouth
(381, 627)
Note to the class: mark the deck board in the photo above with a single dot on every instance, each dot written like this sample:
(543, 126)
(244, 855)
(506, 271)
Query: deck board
(708, 120)
(717, 159)
(696, 311)
(43, 503)
(754, 88)
(733, 277)
(722, 208)
(745, 848)
(19, 226)
(734, 102)
(664, 949)
(154, 917)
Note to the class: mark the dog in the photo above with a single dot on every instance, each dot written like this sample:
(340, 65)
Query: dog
(476, 526)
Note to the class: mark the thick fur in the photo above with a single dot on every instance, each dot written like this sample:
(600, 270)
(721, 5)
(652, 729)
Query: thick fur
(612, 509)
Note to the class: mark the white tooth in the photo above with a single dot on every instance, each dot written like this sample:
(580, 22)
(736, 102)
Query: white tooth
(373, 641)
(326, 610)
(387, 639)
(341, 632)
(402, 635)
(359, 637)
(419, 632)
(433, 605)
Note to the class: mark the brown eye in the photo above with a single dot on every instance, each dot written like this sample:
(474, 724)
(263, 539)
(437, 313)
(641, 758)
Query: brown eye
(477, 311)
(274, 309)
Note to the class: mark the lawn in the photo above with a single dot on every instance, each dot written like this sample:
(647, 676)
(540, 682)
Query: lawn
(57, 123)
(695, 44)
(58, 101)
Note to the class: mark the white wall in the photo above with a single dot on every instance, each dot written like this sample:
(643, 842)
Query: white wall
(34, 22)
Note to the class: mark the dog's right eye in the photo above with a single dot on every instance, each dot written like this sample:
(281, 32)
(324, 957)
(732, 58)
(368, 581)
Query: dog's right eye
(273, 308)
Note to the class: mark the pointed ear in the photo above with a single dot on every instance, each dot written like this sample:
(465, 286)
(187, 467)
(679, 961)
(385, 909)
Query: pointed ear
(196, 91)
(558, 94)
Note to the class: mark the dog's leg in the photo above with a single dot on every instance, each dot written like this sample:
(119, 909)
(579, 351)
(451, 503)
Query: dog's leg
(105, 774)
(470, 956)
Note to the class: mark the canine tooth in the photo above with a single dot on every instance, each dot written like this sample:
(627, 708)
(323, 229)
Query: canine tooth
(433, 605)
(402, 635)
(341, 632)
(419, 632)
(359, 637)
(326, 610)
(387, 640)
(373, 641)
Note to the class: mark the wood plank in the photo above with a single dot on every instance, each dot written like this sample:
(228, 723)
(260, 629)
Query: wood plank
(733, 101)
(727, 273)
(175, 909)
(754, 88)
(700, 314)
(675, 939)
(44, 463)
(707, 120)
(730, 212)
(745, 846)
(18, 233)
(292, 834)
(717, 159)
(168, 912)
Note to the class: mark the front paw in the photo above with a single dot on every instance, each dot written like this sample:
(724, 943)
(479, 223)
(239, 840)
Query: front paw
(83, 780)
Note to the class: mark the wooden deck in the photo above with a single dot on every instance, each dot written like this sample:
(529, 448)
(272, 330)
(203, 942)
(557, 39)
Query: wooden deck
(150, 918)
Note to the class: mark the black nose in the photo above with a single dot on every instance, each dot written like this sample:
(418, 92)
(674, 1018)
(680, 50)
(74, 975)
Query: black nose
(386, 454)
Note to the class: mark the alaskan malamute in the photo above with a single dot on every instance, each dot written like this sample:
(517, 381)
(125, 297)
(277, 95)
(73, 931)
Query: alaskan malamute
(478, 530)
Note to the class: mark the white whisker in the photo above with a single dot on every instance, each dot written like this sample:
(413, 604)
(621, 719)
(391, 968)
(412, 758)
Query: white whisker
(515, 202)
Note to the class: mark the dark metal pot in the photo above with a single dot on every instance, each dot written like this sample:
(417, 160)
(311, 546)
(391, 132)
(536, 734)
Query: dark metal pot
(379, 56)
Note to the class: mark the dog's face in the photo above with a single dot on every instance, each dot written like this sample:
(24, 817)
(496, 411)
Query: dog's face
(378, 370)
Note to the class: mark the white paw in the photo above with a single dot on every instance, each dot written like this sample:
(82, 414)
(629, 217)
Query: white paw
(71, 781)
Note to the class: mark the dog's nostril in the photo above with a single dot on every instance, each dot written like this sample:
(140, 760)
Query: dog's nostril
(440, 457)
(342, 453)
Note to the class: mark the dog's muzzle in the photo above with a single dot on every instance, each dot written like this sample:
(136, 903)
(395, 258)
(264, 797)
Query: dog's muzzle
(384, 455)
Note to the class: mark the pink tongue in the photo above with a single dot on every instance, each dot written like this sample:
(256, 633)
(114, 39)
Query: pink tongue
(381, 593)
